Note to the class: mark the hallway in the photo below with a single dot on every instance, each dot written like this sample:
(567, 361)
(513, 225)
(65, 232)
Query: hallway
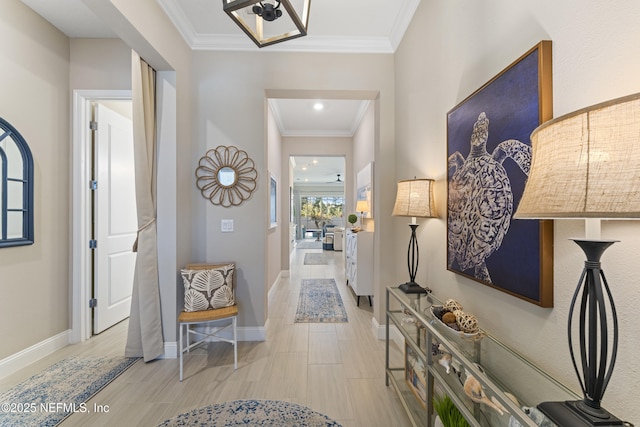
(336, 369)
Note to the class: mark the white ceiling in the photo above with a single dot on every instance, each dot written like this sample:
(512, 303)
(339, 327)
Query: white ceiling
(319, 170)
(355, 26)
(352, 26)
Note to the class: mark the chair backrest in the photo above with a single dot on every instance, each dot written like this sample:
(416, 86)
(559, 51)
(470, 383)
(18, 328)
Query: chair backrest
(202, 266)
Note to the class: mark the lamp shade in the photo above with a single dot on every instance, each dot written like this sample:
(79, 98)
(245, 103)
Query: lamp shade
(268, 22)
(362, 206)
(414, 198)
(586, 164)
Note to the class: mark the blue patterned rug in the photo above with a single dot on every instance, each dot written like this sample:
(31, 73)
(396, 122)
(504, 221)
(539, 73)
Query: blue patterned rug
(268, 413)
(320, 302)
(313, 258)
(62, 389)
(309, 244)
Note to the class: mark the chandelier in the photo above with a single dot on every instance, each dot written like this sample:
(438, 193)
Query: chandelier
(285, 19)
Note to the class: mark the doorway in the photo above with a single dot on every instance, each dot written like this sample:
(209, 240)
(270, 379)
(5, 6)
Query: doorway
(318, 194)
(100, 236)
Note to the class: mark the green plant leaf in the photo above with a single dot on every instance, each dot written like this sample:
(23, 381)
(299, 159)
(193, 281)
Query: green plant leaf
(448, 412)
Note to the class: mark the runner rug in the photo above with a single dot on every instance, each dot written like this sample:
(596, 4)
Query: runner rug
(271, 413)
(62, 389)
(315, 259)
(309, 244)
(320, 302)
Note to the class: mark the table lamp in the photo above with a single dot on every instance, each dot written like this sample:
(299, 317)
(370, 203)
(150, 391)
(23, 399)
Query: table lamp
(587, 165)
(414, 198)
(362, 206)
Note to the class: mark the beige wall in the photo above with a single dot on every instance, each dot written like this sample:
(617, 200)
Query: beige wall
(35, 100)
(277, 246)
(100, 64)
(42, 67)
(230, 111)
(144, 27)
(450, 50)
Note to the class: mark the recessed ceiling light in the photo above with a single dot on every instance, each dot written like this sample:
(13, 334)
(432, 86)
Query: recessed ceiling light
(318, 106)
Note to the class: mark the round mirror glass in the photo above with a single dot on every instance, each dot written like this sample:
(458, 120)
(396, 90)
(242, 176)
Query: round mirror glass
(226, 176)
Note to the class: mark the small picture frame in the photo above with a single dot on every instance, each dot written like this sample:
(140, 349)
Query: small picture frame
(273, 201)
(364, 188)
(415, 373)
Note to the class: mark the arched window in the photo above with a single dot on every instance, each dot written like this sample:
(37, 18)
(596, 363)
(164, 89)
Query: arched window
(16, 188)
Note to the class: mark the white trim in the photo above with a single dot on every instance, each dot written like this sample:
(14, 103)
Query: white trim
(80, 228)
(244, 334)
(170, 350)
(379, 331)
(24, 358)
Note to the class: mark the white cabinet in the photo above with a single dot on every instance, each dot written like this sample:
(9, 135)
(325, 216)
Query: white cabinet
(359, 263)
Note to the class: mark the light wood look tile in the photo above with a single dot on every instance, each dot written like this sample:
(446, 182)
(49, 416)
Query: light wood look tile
(336, 369)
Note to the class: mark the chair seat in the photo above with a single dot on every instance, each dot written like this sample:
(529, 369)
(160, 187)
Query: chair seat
(207, 315)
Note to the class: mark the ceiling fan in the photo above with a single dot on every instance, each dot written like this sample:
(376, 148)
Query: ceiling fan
(337, 181)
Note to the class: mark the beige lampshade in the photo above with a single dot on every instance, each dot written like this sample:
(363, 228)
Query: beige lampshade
(362, 206)
(586, 164)
(414, 197)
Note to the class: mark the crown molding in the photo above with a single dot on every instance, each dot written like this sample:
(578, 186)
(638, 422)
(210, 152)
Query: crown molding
(309, 43)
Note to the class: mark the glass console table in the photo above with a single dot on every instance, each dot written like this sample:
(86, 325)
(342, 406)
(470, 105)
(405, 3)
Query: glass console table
(504, 389)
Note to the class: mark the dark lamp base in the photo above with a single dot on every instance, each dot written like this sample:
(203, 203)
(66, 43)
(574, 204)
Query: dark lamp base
(572, 414)
(413, 288)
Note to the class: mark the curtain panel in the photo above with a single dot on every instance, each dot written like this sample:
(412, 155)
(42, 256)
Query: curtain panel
(145, 338)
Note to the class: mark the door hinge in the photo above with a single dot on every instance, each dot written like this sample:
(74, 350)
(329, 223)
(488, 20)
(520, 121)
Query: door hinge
(93, 243)
(93, 303)
(93, 184)
(93, 125)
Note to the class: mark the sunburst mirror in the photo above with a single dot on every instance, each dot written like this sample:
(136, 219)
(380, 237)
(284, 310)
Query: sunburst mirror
(226, 176)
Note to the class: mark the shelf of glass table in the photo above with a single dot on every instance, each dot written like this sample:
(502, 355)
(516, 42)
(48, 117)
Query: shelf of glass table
(417, 413)
(497, 367)
(419, 312)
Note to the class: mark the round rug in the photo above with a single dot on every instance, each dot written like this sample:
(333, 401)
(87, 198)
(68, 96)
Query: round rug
(273, 413)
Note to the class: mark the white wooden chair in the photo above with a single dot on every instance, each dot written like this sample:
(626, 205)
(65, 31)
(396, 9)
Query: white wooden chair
(209, 318)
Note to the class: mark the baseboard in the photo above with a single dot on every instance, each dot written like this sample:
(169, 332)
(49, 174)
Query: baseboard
(170, 350)
(275, 284)
(244, 334)
(24, 358)
(380, 332)
(378, 329)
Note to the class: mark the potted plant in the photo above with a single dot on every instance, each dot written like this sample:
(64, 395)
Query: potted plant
(352, 218)
(448, 413)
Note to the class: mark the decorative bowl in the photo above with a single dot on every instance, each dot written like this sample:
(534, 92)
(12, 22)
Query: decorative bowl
(452, 332)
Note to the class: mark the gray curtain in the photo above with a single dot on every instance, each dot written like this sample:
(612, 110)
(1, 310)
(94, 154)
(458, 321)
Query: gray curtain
(145, 324)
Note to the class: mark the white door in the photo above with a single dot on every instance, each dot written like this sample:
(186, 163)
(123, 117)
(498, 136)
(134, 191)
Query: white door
(115, 218)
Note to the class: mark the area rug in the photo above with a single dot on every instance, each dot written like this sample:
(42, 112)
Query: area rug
(315, 259)
(271, 413)
(62, 389)
(309, 244)
(320, 302)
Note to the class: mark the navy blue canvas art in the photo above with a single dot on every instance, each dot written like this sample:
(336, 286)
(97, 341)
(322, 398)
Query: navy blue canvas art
(488, 161)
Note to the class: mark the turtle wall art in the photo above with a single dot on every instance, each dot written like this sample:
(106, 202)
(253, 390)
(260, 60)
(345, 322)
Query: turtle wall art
(488, 161)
